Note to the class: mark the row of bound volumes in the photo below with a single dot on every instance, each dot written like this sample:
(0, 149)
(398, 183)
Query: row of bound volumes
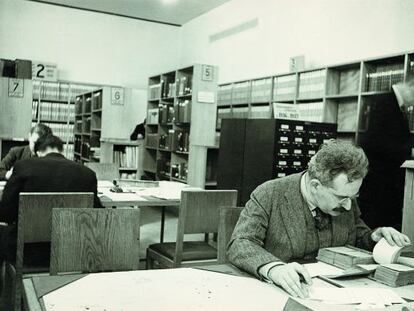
(181, 86)
(284, 87)
(180, 112)
(261, 90)
(312, 112)
(384, 78)
(240, 92)
(68, 151)
(394, 274)
(58, 90)
(345, 256)
(312, 84)
(224, 94)
(126, 158)
(175, 140)
(179, 171)
(50, 111)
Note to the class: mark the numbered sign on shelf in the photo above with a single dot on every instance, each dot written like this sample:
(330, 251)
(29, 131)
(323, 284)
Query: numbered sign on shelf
(207, 73)
(297, 63)
(16, 87)
(44, 71)
(117, 96)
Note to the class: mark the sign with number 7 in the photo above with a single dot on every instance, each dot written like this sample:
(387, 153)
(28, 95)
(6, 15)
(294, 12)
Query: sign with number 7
(16, 87)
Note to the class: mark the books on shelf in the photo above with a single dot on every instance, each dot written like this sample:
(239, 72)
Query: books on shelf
(151, 140)
(51, 111)
(260, 112)
(182, 111)
(312, 84)
(311, 111)
(261, 90)
(127, 158)
(241, 93)
(224, 94)
(240, 112)
(384, 77)
(284, 87)
(61, 91)
(345, 256)
(184, 84)
(179, 171)
(154, 91)
(153, 116)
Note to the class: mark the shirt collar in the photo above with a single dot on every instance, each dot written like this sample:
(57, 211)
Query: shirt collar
(306, 194)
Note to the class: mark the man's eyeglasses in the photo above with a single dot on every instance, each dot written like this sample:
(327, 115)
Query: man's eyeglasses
(341, 198)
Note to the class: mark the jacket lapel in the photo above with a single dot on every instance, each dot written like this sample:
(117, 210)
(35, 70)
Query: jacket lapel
(294, 217)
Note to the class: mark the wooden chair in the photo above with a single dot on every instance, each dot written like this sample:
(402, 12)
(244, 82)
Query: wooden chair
(198, 213)
(34, 226)
(93, 240)
(228, 220)
(104, 171)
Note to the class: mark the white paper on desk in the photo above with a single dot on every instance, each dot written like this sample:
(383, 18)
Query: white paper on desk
(2, 183)
(181, 289)
(124, 196)
(370, 295)
(321, 268)
(105, 184)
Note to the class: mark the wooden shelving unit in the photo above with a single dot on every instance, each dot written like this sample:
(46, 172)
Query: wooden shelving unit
(181, 123)
(54, 105)
(128, 155)
(341, 94)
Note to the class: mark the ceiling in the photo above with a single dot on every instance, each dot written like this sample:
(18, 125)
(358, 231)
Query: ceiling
(174, 12)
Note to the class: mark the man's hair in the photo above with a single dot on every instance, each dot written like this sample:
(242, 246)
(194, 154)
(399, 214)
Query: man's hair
(48, 141)
(335, 157)
(41, 130)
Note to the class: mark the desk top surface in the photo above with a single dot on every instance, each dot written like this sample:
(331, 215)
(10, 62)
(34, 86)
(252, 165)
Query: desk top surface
(170, 289)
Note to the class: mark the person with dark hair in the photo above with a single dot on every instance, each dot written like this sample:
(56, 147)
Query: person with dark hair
(49, 172)
(139, 131)
(23, 152)
(287, 220)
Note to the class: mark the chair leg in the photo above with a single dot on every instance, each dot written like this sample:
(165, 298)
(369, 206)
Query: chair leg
(149, 261)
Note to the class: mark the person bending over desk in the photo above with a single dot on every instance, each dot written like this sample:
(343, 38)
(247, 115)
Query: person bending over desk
(49, 172)
(288, 220)
(24, 152)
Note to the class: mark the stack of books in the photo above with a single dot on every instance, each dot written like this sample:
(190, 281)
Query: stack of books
(394, 274)
(345, 256)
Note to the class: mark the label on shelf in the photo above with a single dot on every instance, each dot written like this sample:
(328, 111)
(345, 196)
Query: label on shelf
(117, 96)
(44, 71)
(207, 73)
(16, 87)
(205, 97)
(286, 111)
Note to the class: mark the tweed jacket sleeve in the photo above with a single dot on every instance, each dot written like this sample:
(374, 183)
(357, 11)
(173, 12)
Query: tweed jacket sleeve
(246, 248)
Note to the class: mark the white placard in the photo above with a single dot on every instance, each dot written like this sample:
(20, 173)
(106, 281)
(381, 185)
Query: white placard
(44, 71)
(16, 87)
(205, 97)
(286, 111)
(297, 63)
(117, 96)
(207, 73)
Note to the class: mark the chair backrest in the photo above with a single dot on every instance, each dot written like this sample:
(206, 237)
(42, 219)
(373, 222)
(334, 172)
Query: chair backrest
(199, 213)
(104, 171)
(92, 240)
(35, 212)
(228, 220)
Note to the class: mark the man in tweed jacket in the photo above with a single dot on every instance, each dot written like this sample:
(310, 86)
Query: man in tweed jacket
(281, 224)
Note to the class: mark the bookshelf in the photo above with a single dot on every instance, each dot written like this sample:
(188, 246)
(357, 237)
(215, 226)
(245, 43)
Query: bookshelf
(180, 127)
(54, 105)
(128, 155)
(342, 93)
(103, 124)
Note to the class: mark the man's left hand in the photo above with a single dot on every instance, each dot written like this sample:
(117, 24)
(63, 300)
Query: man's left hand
(392, 236)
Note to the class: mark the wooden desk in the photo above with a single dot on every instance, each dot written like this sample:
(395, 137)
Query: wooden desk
(170, 289)
(167, 194)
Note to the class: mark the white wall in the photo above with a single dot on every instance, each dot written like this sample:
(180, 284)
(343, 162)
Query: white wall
(88, 47)
(325, 31)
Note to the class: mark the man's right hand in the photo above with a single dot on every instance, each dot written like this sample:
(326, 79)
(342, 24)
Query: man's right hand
(288, 276)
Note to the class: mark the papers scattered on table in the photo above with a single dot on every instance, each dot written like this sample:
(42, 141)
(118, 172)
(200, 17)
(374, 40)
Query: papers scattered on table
(321, 268)
(370, 295)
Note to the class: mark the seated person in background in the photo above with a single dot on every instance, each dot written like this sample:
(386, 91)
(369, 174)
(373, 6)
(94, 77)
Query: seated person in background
(289, 219)
(21, 153)
(49, 172)
(139, 131)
